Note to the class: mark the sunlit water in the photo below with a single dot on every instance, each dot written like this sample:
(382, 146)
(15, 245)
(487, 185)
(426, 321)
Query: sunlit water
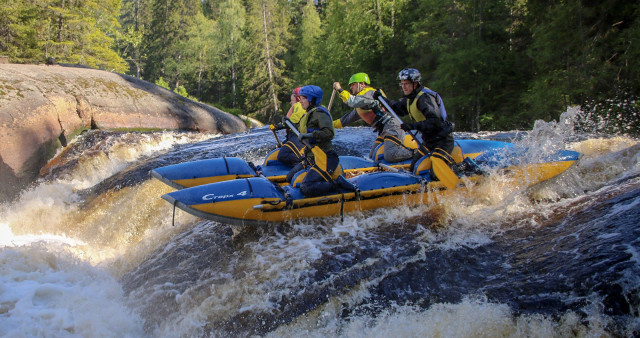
(92, 250)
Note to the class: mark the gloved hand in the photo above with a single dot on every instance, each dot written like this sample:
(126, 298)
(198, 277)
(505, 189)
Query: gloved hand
(378, 128)
(406, 126)
(306, 136)
(284, 121)
(377, 94)
(277, 126)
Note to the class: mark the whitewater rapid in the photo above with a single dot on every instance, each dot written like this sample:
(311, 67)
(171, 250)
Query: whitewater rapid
(92, 250)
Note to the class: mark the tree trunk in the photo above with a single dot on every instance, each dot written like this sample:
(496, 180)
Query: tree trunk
(269, 64)
(233, 73)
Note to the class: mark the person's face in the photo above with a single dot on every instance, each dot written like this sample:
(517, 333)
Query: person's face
(304, 102)
(355, 88)
(407, 86)
(293, 99)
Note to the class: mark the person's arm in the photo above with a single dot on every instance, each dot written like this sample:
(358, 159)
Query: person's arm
(346, 120)
(324, 133)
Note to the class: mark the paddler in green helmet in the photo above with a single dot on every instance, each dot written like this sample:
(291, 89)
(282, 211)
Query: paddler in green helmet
(370, 111)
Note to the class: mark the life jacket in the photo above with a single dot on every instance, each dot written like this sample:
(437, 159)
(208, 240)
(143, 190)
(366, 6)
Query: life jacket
(416, 114)
(366, 115)
(296, 112)
(302, 127)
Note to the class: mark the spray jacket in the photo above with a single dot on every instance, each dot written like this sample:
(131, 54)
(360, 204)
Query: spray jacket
(318, 122)
(428, 116)
(296, 112)
(363, 103)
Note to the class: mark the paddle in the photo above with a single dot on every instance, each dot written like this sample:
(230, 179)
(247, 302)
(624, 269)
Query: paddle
(440, 168)
(333, 94)
(273, 129)
(319, 155)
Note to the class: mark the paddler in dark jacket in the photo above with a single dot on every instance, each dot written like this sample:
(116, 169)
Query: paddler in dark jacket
(427, 112)
(316, 128)
(368, 109)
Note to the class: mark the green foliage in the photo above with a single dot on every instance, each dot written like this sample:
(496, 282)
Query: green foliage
(180, 90)
(498, 64)
(264, 77)
(162, 83)
(80, 32)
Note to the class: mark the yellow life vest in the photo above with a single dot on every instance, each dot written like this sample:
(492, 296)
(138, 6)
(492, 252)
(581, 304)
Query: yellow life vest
(302, 126)
(412, 108)
(417, 115)
(298, 113)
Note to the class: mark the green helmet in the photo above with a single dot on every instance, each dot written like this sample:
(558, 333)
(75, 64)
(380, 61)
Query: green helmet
(359, 77)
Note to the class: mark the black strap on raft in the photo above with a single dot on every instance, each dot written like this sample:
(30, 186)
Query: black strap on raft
(173, 218)
(226, 164)
(250, 187)
(342, 208)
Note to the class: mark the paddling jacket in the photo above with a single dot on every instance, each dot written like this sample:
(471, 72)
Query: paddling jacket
(365, 107)
(426, 109)
(296, 112)
(318, 122)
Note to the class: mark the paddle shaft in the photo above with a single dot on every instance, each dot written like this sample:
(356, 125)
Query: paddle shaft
(319, 155)
(440, 168)
(333, 94)
(388, 167)
(277, 139)
(293, 129)
(393, 113)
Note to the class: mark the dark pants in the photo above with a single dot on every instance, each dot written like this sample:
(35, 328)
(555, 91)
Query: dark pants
(319, 182)
(291, 152)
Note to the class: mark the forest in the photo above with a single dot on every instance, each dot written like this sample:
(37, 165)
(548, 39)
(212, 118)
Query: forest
(498, 64)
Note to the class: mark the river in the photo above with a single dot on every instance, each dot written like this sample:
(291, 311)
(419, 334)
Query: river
(92, 250)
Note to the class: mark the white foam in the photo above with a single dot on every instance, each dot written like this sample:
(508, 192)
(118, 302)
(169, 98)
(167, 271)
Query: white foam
(8, 239)
(469, 318)
(45, 291)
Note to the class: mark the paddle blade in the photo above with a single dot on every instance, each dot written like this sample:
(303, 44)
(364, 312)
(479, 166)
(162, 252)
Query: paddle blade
(444, 173)
(320, 158)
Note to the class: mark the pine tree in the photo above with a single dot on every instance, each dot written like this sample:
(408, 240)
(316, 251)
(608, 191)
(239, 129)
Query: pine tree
(231, 42)
(307, 60)
(135, 20)
(264, 77)
(170, 22)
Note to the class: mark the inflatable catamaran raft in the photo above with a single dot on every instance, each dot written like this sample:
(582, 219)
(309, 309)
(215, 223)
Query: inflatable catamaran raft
(194, 173)
(243, 194)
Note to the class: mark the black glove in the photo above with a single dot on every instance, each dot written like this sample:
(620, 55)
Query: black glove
(406, 126)
(377, 94)
(378, 128)
(284, 121)
(306, 136)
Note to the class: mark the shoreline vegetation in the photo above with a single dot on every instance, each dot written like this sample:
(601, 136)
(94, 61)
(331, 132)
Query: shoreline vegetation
(499, 65)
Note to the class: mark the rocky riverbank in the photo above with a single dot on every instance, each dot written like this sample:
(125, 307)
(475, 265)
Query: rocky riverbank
(42, 107)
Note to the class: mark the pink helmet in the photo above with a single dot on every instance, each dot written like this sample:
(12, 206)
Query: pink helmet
(296, 92)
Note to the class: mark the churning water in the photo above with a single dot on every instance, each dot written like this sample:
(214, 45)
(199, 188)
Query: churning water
(92, 250)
